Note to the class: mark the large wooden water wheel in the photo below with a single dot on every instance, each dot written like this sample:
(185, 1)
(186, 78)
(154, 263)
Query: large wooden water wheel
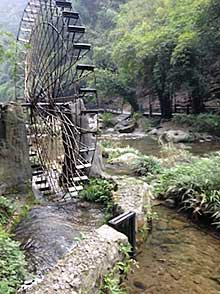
(58, 87)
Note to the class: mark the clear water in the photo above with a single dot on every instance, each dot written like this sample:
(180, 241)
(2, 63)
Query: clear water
(150, 146)
(178, 258)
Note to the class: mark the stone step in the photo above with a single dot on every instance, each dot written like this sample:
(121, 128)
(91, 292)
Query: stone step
(45, 188)
(40, 182)
(82, 46)
(79, 179)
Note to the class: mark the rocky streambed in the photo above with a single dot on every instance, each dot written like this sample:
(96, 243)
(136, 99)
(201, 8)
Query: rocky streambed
(178, 257)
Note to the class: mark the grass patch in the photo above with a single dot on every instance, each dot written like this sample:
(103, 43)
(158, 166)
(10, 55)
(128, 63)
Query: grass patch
(99, 191)
(145, 165)
(107, 119)
(12, 259)
(7, 210)
(194, 186)
(209, 123)
(12, 264)
(170, 155)
(112, 280)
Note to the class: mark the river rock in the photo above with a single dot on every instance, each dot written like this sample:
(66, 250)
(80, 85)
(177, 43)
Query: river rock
(176, 136)
(156, 132)
(126, 126)
(170, 203)
(128, 129)
(133, 195)
(126, 160)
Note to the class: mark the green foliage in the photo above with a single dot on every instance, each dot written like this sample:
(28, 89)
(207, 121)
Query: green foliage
(12, 264)
(165, 45)
(98, 190)
(106, 119)
(111, 281)
(170, 155)
(201, 123)
(109, 144)
(6, 210)
(146, 165)
(194, 186)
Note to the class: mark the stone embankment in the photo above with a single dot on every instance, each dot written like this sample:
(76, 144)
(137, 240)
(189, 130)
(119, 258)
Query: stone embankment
(133, 195)
(82, 270)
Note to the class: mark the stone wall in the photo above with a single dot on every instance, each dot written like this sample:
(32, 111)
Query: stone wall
(14, 158)
(133, 195)
(82, 270)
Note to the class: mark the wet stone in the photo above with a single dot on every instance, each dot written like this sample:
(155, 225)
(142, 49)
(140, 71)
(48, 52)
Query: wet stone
(139, 285)
(50, 231)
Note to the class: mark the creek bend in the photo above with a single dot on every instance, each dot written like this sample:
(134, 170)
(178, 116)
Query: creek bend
(178, 256)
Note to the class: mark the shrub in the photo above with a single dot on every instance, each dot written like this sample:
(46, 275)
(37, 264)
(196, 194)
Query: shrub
(170, 155)
(201, 123)
(106, 118)
(12, 264)
(98, 190)
(108, 144)
(146, 165)
(6, 210)
(195, 186)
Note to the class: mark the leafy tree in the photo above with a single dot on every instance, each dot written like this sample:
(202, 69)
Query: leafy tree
(167, 44)
(7, 66)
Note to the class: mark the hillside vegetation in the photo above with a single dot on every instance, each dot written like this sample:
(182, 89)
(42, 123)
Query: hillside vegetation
(144, 48)
(156, 48)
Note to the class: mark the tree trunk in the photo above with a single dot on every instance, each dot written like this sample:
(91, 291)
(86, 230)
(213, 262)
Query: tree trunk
(197, 103)
(132, 100)
(165, 106)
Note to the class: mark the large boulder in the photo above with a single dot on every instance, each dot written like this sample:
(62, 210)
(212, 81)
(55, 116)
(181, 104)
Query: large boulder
(174, 136)
(177, 136)
(127, 129)
(125, 160)
(119, 118)
(15, 168)
(126, 126)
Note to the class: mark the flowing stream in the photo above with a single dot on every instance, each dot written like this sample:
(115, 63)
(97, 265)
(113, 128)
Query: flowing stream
(150, 146)
(178, 256)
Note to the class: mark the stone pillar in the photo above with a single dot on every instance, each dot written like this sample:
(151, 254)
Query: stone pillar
(15, 170)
